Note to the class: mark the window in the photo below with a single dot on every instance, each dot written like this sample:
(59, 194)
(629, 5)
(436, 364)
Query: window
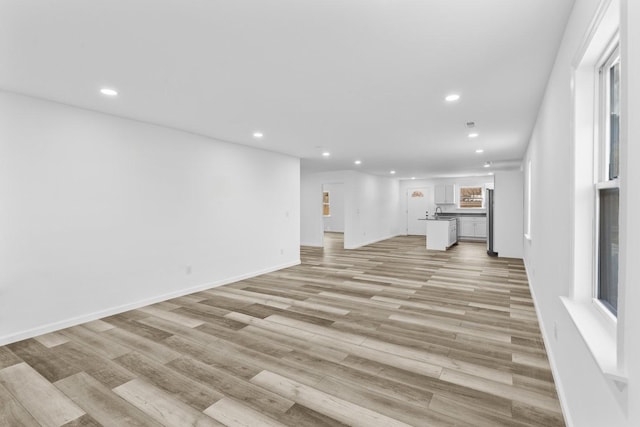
(326, 207)
(597, 178)
(471, 197)
(527, 229)
(607, 185)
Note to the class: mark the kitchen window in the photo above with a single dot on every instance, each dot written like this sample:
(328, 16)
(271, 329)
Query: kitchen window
(607, 187)
(471, 197)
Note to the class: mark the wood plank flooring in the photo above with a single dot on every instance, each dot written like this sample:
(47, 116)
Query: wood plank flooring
(386, 335)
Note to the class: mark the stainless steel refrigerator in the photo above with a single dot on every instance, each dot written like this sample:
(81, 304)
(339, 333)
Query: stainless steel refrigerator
(490, 200)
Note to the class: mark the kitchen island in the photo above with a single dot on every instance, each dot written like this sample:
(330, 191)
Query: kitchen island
(442, 233)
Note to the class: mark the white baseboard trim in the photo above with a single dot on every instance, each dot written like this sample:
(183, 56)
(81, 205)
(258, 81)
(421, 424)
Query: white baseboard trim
(66, 323)
(371, 242)
(552, 360)
(311, 245)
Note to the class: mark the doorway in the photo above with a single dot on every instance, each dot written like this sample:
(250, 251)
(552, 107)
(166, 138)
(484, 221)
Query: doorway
(417, 207)
(333, 213)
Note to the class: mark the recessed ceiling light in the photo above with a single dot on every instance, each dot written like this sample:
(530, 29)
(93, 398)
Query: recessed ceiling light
(487, 164)
(452, 97)
(490, 173)
(108, 92)
(473, 135)
(357, 162)
(326, 154)
(413, 177)
(479, 150)
(392, 172)
(258, 135)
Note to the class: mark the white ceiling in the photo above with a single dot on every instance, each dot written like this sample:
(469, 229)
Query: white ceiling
(363, 79)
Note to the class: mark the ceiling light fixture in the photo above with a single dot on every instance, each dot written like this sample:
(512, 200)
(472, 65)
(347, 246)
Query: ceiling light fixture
(108, 92)
(357, 162)
(413, 177)
(487, 164)
(490, 173)
(474, 135)
(326, 154)
(258, 135)
(479, 150)
(392, 172)
(451, 98)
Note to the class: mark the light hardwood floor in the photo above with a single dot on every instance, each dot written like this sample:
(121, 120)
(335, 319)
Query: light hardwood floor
(386, 335)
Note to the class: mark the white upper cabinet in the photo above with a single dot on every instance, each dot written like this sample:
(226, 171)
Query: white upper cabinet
(445, 194)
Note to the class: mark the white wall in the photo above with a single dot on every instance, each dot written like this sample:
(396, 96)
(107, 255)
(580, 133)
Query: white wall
(370, 207)
(99, 214)
(335, 221)
(405, 187)
(589, 398)
(630, 158)
(508, 214)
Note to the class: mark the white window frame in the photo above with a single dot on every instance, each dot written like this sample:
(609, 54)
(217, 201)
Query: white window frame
(598, 328)
(605, 311)
(610, 57)
(527, 232)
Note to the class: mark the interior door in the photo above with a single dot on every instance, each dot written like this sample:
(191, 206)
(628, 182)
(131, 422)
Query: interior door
(417, 206)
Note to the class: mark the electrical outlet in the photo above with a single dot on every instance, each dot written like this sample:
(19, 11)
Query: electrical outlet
(281, 251)
(187, 270)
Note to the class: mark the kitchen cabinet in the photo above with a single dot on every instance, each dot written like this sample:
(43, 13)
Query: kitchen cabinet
(441, 233)
(473, 228)
(481, 228)
(453, 232)
(467, 227)
(445, 194)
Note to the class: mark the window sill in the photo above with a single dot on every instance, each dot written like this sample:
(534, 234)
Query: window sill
(600, 336)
